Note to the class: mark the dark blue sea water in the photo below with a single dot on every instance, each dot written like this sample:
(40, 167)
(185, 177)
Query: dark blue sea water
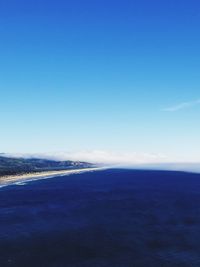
(110, 218)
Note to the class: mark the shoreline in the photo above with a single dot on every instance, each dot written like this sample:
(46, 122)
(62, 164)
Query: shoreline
(23, 178)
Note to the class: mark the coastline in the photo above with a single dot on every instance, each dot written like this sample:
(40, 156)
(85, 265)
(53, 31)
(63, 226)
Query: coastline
(23, 178)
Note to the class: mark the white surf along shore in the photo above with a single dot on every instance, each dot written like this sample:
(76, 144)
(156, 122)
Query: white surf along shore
(23, 178)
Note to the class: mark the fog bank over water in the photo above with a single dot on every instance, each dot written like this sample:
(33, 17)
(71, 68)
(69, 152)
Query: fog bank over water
(113, 159)
(186, 167)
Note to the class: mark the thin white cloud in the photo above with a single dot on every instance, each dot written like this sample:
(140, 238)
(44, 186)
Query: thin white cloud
(98, 156)
(183, 105)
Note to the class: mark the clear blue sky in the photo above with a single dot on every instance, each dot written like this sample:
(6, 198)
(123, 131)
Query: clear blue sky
(107, 75)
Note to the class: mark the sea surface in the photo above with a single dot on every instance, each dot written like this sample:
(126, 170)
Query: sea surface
(108, 218)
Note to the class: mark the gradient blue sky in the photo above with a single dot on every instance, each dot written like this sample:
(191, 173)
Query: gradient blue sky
(120, 76)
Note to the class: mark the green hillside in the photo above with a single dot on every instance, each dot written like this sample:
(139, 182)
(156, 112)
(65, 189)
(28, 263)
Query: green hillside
(9, 166)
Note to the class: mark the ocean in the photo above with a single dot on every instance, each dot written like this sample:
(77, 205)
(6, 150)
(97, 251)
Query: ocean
(107, 218)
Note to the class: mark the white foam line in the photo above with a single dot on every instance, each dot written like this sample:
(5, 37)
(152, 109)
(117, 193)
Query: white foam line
(25, 178)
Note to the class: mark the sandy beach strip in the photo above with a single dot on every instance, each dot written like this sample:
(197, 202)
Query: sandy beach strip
(12, 179)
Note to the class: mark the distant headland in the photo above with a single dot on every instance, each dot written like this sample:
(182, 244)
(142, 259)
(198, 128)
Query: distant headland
(21, 169)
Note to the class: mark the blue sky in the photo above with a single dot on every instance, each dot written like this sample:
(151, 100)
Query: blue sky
(117, 76)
